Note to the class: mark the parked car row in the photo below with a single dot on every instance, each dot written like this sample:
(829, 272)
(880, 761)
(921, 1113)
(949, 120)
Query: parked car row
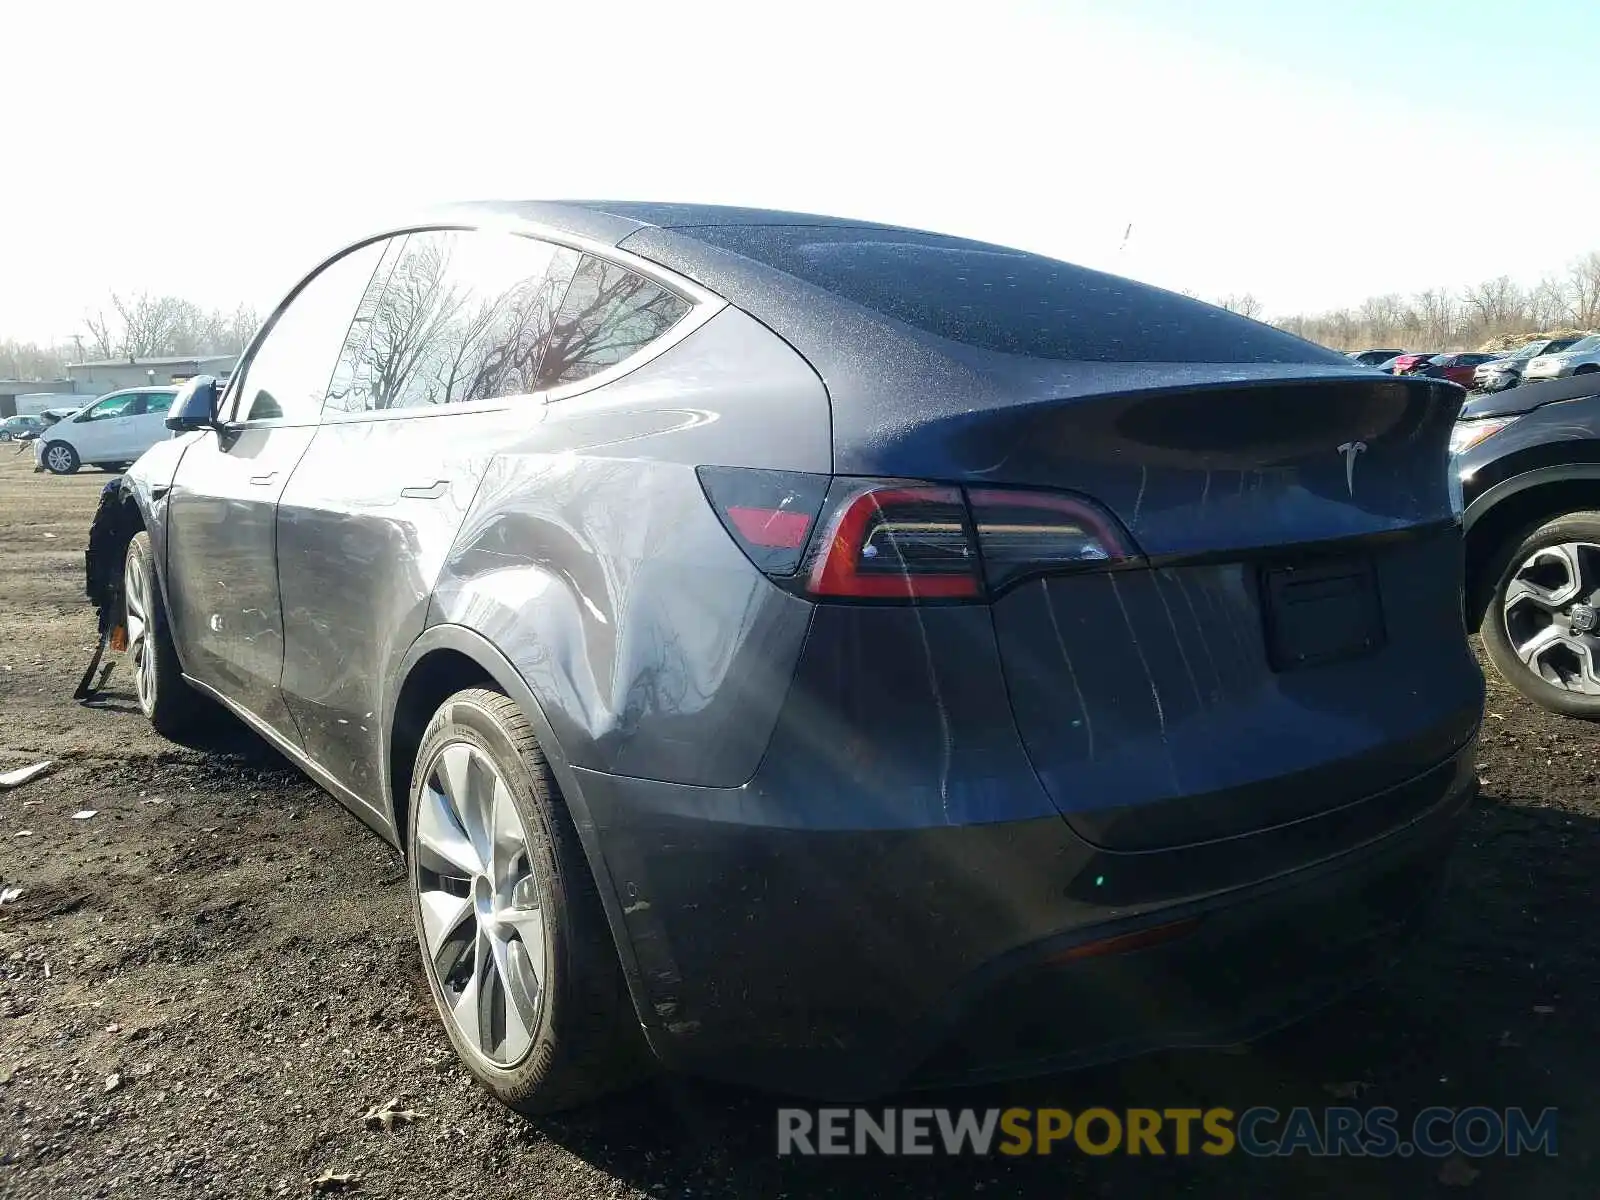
(1506, 371)
(1479, 371)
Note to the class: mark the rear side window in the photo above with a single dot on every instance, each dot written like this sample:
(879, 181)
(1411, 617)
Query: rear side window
(996, 298)
(158, 402)
(450, 317)
(608, 315)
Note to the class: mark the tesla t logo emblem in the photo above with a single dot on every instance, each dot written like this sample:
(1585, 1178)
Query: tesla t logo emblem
(1350, 450)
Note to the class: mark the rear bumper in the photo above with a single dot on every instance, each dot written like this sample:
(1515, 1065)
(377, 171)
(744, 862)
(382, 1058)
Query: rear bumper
(849, 963)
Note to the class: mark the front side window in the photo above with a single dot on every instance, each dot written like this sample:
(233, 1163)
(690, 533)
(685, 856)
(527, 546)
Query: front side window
(609, 314)
(287, 375)
(451, 316)
(123, 405)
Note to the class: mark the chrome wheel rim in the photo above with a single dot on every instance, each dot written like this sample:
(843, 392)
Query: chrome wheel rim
(59, 458)
(1552, 615)
(483, 922)
(136, 596)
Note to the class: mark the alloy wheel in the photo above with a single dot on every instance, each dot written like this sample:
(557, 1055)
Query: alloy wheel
(137, 597)
(483, 924)
(58, 458)
(1552, 615)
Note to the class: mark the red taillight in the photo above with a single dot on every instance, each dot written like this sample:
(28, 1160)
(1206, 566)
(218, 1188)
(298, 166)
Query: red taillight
(892, 539)
(898, 542)
(913, 541)
(769, 513)
(771, 528)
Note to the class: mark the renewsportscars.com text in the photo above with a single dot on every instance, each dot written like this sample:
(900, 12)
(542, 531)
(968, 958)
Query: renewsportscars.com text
(1259, 1132)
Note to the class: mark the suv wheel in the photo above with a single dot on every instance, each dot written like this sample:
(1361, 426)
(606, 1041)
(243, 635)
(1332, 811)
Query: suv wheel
(60, 458)
(164, 698)
(517, 952)
(1542, 626)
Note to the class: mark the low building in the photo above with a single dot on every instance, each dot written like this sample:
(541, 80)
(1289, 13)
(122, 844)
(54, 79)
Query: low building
(107, 375)
(10, 389)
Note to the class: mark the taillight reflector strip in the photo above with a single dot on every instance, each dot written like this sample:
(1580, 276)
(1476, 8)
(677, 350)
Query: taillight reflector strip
(1023, 532)
(898, 542)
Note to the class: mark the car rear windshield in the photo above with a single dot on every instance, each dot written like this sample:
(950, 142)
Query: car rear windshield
(1008, 300)
(1584, 345)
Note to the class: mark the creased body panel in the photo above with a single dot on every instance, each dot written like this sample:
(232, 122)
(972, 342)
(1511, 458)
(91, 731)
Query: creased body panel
(593, 560)
(222, 565)
(363, 530)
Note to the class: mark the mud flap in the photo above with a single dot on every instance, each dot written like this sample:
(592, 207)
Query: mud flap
(103, 586)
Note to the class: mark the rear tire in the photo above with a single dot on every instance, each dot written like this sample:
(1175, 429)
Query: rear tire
(1519, 563)
(170, 704)
(514, 943)
(60, 458)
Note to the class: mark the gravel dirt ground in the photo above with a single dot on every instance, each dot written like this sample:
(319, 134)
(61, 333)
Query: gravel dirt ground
(205, 985)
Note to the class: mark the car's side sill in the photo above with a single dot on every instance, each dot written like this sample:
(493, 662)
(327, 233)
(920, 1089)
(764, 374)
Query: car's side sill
(369, 816)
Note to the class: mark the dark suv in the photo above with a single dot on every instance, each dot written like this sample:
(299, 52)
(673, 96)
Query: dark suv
(827, 654)
(1528, 463)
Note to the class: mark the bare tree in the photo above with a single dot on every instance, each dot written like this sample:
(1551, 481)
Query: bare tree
(1547, 303)
(1436, 316)
(1493, 314)
(29, 360)
(1583, 290)
(1245, 305)
(143, 326)
(1495, 306)
(104, 339)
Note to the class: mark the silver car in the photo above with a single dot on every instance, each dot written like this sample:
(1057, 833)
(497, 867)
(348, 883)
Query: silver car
(1578, 359)
(1504, 372)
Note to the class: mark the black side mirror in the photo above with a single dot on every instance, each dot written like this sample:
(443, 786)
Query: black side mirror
(195, 407)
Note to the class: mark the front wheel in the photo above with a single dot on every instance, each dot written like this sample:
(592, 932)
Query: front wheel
(5, 435)
(60, 459)
(1542, 626)
(165, 699)
(517, 951)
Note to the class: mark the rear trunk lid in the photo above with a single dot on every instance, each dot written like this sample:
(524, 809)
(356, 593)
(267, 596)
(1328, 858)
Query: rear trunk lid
(1294, 643)
(1290, 640)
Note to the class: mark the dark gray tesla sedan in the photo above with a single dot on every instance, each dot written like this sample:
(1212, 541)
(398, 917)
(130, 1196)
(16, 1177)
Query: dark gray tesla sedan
(821, 654)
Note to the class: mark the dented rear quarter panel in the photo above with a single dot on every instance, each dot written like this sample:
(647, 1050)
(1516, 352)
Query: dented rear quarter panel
(592, 560)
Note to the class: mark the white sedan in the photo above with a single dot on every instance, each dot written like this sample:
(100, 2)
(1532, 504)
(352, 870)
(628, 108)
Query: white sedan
(111, 432)
(1580, 358)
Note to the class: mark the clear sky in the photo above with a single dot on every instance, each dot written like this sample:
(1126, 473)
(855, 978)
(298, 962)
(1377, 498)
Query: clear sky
(1311, 153)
